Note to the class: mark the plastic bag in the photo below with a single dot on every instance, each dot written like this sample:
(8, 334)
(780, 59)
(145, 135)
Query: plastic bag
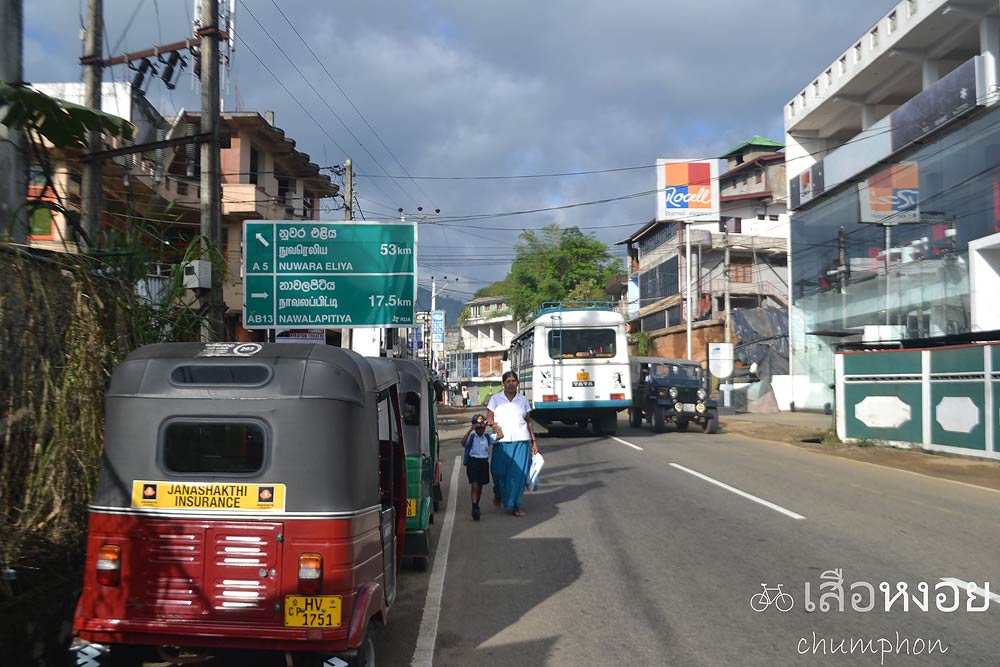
(536, 467)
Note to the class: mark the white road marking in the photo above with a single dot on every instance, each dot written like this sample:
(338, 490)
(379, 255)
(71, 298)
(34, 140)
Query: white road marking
(765, 503)
(423, 654)
(625, 443)
(971, 587)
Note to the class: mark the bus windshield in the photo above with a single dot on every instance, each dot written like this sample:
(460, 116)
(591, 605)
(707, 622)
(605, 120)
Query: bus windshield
(581, 343)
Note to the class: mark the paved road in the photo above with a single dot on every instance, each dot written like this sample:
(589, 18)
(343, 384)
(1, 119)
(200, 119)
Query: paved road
(632, 553)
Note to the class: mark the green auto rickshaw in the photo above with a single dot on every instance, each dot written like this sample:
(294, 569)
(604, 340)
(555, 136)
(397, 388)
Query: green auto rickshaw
(418, 398)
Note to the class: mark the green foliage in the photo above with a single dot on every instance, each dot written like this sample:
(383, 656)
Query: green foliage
(642, 344)
(557, 264)
(62, 123)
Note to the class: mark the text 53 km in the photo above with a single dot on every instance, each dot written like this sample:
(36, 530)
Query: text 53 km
(318, 232)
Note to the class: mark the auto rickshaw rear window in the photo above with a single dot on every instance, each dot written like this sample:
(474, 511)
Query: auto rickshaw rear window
(214, 374)
(215, 446)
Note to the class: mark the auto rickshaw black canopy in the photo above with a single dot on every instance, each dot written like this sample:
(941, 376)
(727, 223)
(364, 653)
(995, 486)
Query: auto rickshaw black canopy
(316, 405)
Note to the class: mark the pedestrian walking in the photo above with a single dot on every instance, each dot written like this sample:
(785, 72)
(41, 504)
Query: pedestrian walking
(465, 396)
(477, 443)
(509, 412)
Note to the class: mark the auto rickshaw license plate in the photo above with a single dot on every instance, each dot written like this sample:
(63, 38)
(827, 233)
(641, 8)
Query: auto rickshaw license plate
(312, 611)
(411, 507)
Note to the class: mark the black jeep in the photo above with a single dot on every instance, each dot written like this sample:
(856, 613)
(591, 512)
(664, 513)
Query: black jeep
(671, 390)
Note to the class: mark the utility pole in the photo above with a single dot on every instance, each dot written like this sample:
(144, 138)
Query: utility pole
(211, 183)
(725, 273)
(349, 190)
(13, 185)
(90, 186)
(688, 306)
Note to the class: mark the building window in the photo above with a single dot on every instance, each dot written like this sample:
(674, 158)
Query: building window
(40, 221)
(285, 185)
(911, 7)
(254, 165)
(741, 273)
(828, 76)
(307, 206)
(816, 88)
(758, 177)
(802, 99)
(791, 108)
(842, 65)
(36, 175)
(772, 217)
(731, 225)
(891, 21)
(873, 38)
(857, 52)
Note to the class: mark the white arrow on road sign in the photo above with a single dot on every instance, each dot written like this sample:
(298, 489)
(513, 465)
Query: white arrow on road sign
(260, 237)
(258, 295)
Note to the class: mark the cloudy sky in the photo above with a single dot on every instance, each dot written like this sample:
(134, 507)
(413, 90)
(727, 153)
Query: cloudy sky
(432, 96)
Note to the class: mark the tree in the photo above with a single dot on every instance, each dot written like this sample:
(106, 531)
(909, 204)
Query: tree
(558, 264)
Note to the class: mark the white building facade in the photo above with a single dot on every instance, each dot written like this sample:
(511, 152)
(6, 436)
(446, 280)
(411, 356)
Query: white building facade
(893, 159)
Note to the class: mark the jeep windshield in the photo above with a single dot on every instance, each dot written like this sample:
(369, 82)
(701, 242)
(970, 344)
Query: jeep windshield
(677, 372)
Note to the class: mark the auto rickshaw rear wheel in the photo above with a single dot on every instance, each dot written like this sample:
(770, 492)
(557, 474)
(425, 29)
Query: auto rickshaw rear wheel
(366, 652)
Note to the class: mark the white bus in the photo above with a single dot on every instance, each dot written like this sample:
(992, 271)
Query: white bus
(572, 363)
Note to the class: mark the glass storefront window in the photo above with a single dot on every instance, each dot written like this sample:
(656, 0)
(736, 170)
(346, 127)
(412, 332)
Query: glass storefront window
(848, 273)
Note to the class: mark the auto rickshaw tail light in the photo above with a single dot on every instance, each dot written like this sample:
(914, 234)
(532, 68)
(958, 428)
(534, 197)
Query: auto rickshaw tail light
(310, 573)
(617, 397)
(109, 565)
(549, 398)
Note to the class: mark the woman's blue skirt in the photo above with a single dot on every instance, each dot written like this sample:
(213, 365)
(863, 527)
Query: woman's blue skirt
(510, 465)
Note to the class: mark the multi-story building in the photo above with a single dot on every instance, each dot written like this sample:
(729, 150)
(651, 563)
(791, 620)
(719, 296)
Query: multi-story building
(484, 336)
(893, 155)
(154, 196)
(753, 224)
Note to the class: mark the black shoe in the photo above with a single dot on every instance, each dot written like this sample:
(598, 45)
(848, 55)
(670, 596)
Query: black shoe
(475, 512)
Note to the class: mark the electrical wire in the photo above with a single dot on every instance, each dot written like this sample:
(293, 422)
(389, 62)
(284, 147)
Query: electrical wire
(348, 98)
(321, 98)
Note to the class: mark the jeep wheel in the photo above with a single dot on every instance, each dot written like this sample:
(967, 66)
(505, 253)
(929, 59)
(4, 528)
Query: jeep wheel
(711, 423)
(634, 417)
(659, 419)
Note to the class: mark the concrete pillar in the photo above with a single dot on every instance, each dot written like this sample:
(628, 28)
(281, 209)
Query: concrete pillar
(868, 117)
(989, 45)
(931, 72)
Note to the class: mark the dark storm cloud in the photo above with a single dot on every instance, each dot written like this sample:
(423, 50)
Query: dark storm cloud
(476, 88)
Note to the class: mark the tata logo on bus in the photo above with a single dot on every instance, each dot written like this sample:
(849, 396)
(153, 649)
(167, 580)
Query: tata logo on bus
(891, 195)
(687, 189)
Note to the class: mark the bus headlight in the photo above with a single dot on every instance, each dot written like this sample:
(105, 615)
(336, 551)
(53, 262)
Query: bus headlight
(702, 394)
(673, 392)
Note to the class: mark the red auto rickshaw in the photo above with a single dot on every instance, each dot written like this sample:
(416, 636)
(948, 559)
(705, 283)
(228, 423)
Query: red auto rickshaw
(251, 498)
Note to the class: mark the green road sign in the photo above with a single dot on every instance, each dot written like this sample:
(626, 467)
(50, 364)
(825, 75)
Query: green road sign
(328, 274)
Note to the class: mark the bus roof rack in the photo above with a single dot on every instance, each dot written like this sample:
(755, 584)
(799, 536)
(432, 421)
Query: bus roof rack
(560, 306)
